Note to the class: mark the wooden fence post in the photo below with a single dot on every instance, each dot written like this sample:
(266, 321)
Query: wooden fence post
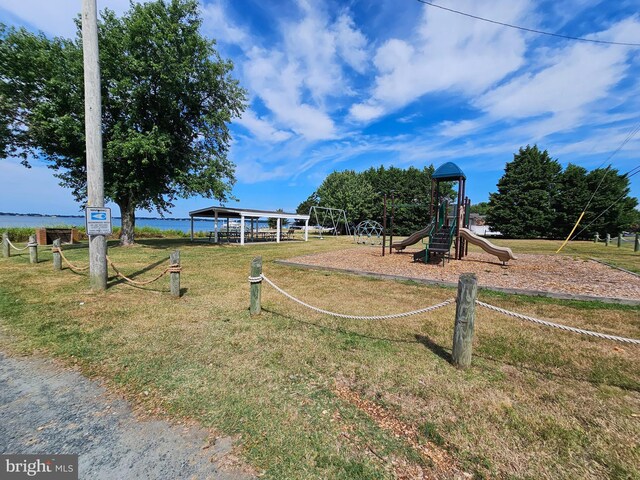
(174, 277)
(636, 246)
(6, 248)
(465, 318)
(57, 258)
(33, 249)
(619, 240)
(255, 291)
(608, 240)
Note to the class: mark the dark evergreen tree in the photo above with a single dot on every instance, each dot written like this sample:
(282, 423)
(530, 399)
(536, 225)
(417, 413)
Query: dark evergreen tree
(611, 210)
(523, 207)
(572, 196)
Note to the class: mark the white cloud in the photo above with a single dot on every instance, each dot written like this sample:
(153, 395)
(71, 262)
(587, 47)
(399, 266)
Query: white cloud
(351, 43)
(447, 53)
(262, 129)
(216, 23)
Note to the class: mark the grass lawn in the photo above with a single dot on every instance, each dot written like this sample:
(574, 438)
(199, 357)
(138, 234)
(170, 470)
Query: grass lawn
(311, 396)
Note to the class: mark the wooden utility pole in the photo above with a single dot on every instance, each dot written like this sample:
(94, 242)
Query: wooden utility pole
(93, 133)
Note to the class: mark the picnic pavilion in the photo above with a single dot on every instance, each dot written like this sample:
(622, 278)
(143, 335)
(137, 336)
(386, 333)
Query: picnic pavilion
(241, 225)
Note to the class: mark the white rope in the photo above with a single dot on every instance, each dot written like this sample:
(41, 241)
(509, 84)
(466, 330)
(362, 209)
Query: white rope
(20, 249)
(557, 325)
(352, 317)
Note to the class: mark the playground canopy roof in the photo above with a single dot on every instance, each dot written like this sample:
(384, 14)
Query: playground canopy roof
(224, 212)
(449, 171)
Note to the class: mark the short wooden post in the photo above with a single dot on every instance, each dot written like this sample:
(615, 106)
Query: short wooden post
(619, 240)
(57, 258)
(255, 291)
(33, 249)
(174, 276)
(465, 318)
(636, 246)
(6, 248)
(608, 240)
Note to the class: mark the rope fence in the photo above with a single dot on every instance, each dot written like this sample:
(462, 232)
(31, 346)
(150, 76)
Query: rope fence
(73, 267)
(257, 279)
(566, 328)
(21, 249)
(172, 268)
(465, 311)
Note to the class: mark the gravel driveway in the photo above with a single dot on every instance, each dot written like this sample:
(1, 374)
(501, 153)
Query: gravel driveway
(47, 409)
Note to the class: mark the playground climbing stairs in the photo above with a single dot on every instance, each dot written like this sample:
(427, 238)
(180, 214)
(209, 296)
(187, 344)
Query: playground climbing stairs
(440, 244)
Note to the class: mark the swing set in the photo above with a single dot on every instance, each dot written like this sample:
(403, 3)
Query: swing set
(329, 220)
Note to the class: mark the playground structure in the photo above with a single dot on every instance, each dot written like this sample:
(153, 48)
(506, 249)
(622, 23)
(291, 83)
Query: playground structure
(368, 232)
(449, 226)
(329, 219)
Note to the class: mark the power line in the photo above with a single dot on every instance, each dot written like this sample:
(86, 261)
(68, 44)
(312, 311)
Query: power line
(531, 30)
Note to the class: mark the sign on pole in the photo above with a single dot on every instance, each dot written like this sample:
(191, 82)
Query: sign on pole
(98, 221)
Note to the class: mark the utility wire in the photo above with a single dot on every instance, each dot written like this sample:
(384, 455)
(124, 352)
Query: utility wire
(531, 30)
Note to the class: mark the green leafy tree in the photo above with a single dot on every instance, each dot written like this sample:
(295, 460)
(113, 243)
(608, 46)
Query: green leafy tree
(523, 207)
(411, 191)
(167, 100)
(481, 208)
(349, 191)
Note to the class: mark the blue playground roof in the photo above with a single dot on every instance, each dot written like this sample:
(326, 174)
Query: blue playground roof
(449, 171)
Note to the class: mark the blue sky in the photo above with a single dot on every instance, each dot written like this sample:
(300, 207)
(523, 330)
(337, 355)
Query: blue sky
(337, 85)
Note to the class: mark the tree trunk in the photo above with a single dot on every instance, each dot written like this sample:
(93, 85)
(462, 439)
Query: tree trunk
(128, 216)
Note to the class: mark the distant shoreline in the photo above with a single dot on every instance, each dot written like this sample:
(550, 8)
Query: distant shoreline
(46, 215)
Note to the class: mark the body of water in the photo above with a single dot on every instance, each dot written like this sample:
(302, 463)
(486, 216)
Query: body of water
(183, 225)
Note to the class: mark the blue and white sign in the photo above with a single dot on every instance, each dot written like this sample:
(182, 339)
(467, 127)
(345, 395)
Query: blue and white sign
(98, 221)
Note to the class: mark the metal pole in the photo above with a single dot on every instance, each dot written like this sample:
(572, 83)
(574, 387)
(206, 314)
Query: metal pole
(93, 133)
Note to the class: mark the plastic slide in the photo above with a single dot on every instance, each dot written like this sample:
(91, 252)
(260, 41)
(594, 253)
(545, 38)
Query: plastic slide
(415, 237)
(503, 253)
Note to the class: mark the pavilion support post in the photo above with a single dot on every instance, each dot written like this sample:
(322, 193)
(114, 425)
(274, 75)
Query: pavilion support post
(242, 230)
(191, 230)
(607, 240)
(636, 244)
(279, 220)
(215, 228)
(306, 230)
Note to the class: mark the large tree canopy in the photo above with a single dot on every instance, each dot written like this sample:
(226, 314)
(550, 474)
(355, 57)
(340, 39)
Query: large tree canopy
(536, 198)
(523, 205)
(361, 195)
(167, 99)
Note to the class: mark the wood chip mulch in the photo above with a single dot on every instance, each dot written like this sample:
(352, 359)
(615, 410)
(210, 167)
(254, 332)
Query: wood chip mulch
(546, 273)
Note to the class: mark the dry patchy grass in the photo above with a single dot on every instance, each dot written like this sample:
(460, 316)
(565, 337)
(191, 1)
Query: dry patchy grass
(537, 403)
